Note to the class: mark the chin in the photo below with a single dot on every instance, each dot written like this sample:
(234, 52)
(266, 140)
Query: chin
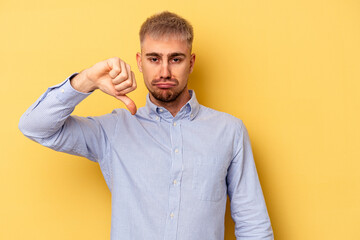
(165, 96)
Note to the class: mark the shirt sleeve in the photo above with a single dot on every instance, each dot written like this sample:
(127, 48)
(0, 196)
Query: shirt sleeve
(248, 208)
(49, 123)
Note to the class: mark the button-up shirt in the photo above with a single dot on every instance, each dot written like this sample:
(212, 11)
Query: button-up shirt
(169, 176)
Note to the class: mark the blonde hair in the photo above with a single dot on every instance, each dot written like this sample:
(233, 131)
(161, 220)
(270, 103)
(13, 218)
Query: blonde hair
(167, 24)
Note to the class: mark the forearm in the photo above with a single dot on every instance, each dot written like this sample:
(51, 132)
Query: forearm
(48, 114)
(48, 120)
(248, 209)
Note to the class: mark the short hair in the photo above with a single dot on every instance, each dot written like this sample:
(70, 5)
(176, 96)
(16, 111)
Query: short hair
(167, 24)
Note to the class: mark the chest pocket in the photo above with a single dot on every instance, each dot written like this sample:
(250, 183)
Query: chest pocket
(209, 180)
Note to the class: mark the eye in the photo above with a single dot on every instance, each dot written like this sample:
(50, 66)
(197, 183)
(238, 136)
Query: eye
(176, 60)
(153, 59)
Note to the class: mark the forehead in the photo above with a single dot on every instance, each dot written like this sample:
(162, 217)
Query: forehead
(165, 45)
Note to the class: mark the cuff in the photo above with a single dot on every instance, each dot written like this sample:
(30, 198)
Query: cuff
(66, 94)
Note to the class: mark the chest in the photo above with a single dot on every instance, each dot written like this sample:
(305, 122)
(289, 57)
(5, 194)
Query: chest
(156, 154)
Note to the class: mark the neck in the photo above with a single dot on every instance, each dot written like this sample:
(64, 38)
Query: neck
(174, 106)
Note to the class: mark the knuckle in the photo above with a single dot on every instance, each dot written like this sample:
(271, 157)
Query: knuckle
(129, 84)
(116, 70)
(124, 75)
(119, 87)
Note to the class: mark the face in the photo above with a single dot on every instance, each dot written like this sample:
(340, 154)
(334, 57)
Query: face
(166, 64)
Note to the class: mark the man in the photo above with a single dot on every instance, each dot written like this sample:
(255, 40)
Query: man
(169, 165)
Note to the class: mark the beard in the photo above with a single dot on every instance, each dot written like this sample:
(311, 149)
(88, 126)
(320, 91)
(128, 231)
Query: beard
(166, 95)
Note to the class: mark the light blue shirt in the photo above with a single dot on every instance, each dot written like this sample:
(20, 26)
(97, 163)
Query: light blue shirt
(169, 176)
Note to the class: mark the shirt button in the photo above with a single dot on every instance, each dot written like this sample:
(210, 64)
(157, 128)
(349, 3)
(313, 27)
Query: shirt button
(62, 90)
(172, 215)
(157, 118)
(161, 110)
(191, 115)
(174, 124)
(174, 182)
(176, 150)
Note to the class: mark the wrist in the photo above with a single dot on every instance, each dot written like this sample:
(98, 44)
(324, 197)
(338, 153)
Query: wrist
(81, 83)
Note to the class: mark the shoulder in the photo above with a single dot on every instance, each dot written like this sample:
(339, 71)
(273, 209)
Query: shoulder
(219, 117)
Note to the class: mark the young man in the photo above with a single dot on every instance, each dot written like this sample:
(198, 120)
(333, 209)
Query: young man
(169, 165)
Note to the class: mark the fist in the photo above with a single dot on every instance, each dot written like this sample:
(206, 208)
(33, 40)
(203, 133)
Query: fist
(112, 76)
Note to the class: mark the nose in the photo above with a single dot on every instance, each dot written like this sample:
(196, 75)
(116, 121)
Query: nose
(165, 71)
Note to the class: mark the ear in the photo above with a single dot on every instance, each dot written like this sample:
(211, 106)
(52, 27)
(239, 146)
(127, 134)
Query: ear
(192, 62)
(138, 60)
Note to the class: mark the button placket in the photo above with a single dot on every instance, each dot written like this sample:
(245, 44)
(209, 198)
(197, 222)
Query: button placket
(175, 176)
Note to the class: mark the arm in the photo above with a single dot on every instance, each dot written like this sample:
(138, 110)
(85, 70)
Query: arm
(48, 120)
(248, 208)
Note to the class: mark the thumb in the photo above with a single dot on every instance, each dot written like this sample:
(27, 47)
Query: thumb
(128, 103)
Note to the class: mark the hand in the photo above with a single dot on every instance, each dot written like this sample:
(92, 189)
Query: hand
(112, 76)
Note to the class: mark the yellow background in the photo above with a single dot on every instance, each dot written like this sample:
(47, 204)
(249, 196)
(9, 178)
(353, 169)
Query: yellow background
(289, 69)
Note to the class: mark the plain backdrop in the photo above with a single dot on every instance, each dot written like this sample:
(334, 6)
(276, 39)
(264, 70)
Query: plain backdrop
(289, 69)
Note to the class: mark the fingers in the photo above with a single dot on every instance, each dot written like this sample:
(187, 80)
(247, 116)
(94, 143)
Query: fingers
(128, 103)
(121, 76)
(115, 67)
(126, 86)
(125, 82)
(120, 71)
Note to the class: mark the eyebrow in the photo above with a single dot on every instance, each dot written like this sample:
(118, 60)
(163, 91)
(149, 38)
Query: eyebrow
(175, 54)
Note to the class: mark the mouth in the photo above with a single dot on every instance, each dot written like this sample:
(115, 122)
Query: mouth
(165, 85)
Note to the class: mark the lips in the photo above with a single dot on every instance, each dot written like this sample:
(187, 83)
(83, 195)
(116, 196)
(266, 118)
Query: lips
(165, 85)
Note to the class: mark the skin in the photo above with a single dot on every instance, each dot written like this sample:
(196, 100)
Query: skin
(112, 76)
(165, 64)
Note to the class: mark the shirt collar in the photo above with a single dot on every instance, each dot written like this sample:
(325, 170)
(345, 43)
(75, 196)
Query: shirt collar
(189, 110)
